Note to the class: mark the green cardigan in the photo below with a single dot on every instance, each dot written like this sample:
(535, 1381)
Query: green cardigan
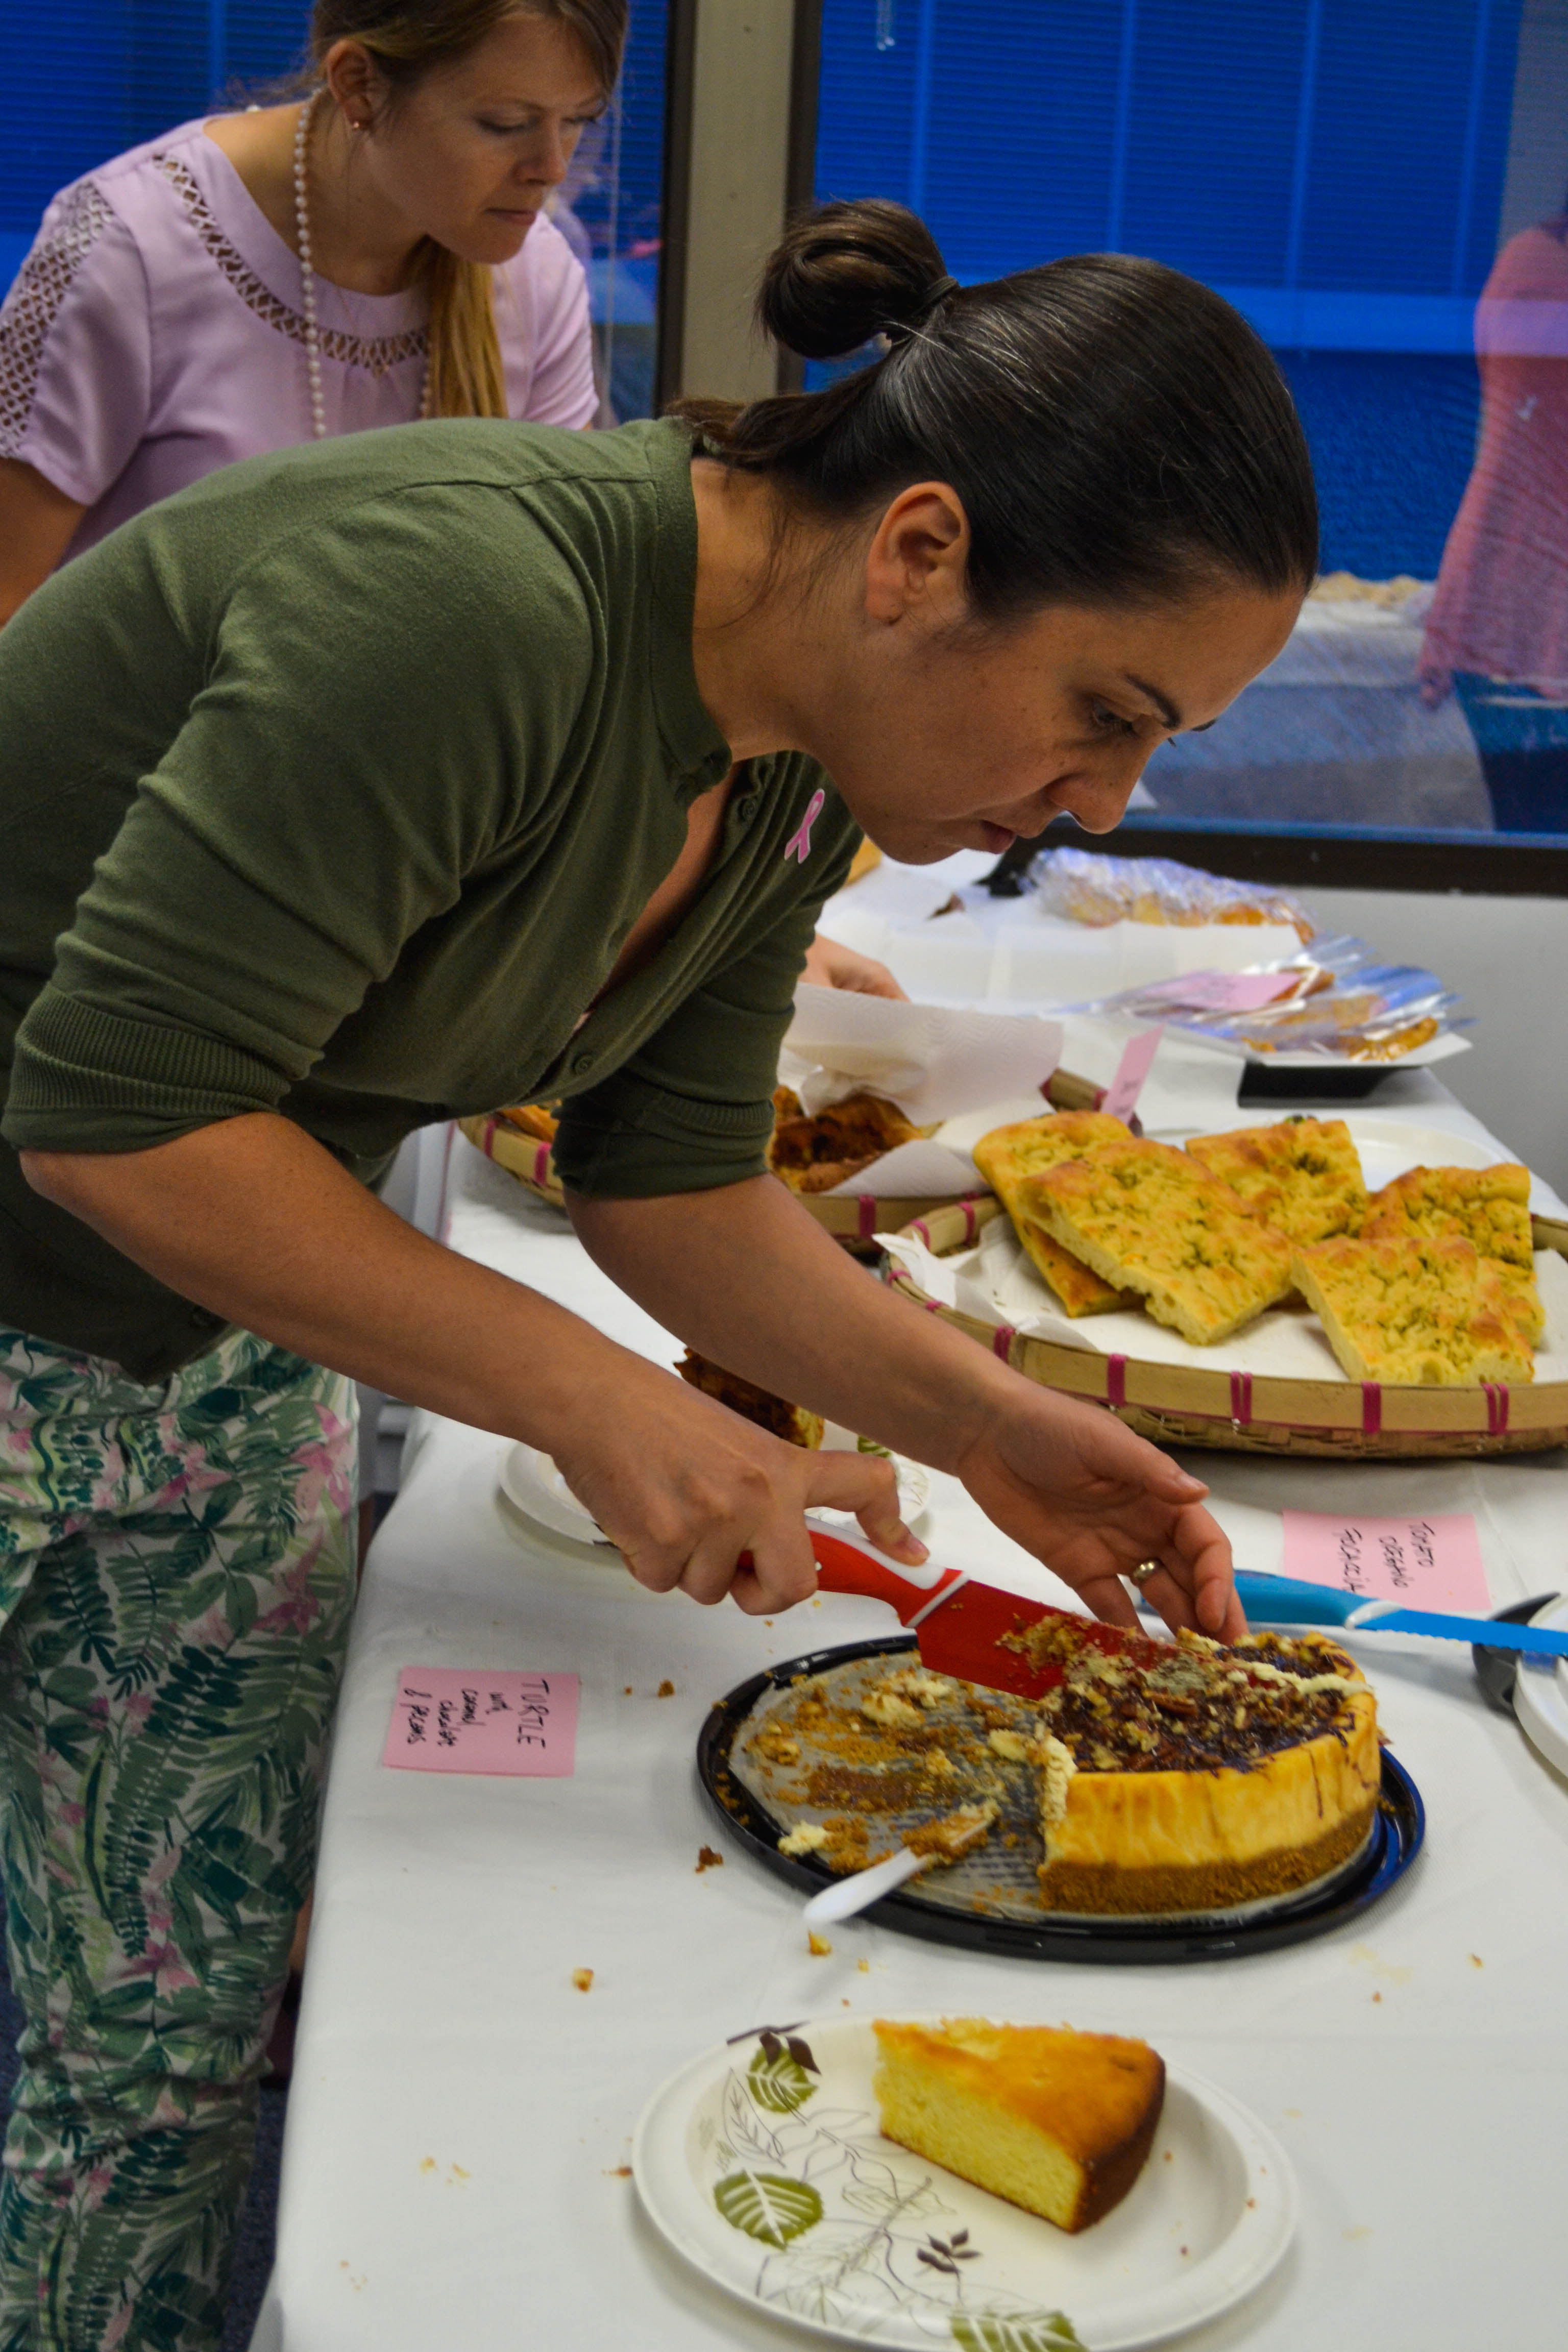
(332, 786)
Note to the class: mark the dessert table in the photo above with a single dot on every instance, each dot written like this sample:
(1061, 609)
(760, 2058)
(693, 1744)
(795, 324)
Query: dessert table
(459, 2124)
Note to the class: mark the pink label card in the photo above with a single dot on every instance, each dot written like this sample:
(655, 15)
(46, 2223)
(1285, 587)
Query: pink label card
(1120, 1099)
(1426, 1563)
(1224, 991)
(447, 1720)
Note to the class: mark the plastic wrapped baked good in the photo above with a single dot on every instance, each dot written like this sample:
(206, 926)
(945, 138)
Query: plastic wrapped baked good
(1088, 887)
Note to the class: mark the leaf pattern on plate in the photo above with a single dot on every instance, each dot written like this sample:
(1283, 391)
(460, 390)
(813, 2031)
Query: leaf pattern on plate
(768, 2206)
(985, 2331)
(778, 2080)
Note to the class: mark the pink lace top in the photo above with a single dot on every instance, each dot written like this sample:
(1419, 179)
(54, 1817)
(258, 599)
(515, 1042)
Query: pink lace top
(155, 333)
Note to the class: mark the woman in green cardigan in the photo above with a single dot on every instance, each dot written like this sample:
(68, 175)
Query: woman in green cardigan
(455, 765)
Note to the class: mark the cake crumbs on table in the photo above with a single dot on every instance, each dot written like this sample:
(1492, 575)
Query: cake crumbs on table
(817, 1946)
(617, 2172)
(709, 1858)
(665, 1690)
(582, 1978)
(1477, 1961)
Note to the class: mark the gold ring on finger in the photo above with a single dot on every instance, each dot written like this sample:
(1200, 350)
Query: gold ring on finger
(1144, 1571)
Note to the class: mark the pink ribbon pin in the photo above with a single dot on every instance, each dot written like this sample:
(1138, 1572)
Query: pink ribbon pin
(799, 843)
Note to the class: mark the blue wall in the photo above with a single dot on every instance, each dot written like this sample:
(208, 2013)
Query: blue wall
(1334, 166)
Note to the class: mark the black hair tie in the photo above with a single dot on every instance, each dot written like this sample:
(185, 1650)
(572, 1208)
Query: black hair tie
(899, 330)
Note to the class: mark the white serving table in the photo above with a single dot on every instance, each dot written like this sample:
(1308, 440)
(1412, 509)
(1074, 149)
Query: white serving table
(461, 2117)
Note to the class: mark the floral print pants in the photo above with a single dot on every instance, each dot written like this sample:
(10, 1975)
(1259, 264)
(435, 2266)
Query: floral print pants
(177, 1578)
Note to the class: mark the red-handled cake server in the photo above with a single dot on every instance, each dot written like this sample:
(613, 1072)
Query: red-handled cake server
(959, 1621)
(956, 1621)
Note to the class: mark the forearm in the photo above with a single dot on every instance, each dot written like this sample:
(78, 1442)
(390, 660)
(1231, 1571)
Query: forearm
(744, 1276)
(254, 1221)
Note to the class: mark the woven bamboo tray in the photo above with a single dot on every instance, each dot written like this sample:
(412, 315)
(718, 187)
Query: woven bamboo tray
(852, 1218)
(530, 1162)
(1247, 1413)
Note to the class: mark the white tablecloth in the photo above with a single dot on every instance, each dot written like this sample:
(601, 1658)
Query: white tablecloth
(462, 2115)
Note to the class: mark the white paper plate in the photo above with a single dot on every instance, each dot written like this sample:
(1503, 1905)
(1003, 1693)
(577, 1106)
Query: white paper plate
(831, 2226)
(530, 1480)
(1541, 1693)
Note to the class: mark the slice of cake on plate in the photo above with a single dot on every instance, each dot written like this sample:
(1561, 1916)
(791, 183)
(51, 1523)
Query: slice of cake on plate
(1057, 2121)
(1151, 1219)
(1414, 1312)
(1489, 1206)
(1303, 1177)
(1009, 1155)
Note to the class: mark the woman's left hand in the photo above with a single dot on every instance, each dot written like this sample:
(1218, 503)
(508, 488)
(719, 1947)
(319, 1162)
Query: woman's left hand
(832, 966)
(1076, 1489)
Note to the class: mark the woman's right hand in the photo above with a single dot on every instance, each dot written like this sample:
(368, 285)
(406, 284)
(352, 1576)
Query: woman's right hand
(682, 1486)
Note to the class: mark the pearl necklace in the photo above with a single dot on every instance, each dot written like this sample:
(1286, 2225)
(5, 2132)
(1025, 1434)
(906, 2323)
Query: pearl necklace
(307, 287)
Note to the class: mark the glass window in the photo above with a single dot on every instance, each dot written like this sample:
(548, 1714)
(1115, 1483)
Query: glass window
(88, 79)
(1381, 187)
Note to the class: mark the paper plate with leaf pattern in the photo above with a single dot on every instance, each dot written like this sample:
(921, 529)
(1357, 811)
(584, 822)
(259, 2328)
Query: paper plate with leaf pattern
(762, 2165)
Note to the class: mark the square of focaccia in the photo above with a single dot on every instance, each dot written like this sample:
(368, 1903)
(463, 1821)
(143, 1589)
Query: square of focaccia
(1149, 1218)
(1008, 1155)
(1303, 1177)
(1076, 1289)
(1489, 1206)
(1415, 1311)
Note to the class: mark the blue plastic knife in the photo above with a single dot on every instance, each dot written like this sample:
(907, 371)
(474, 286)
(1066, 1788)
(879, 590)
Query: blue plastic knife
(1287, 1600)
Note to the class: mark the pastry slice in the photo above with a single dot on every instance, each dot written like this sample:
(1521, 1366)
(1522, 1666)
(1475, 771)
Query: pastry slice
(814, 1154)
(1010, 1154)
(1414, 1311)
(1489, 1206)
(1057, 2121)
(1303, 1177)
(1150, 1219)
(790, 1421)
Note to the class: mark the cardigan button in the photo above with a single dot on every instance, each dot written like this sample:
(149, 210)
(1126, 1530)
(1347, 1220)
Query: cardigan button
(582, 1061)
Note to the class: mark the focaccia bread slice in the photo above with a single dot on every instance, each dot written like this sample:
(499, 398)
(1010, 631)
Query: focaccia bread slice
(1415, 1311)
(1009, 1155)
(1303, 1177)
(1489, 1206)
(814, 1154)
(1151, 1219)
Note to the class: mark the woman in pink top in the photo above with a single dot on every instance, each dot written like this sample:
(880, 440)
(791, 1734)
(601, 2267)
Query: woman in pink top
(1497, 630)
(370, 254)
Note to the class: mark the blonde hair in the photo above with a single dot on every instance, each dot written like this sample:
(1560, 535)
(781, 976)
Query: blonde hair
(406, 38)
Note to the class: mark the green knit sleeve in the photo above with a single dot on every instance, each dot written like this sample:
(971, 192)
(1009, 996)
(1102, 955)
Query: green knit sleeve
(386, 695)
(693, 1108)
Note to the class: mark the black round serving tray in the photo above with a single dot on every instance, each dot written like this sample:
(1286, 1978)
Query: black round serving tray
(1396, 1836)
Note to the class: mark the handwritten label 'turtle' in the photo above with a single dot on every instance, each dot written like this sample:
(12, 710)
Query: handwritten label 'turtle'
(448, 1719)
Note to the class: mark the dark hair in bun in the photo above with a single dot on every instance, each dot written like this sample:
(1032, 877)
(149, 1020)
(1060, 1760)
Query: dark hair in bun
(845, 273)
(1116, 431)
